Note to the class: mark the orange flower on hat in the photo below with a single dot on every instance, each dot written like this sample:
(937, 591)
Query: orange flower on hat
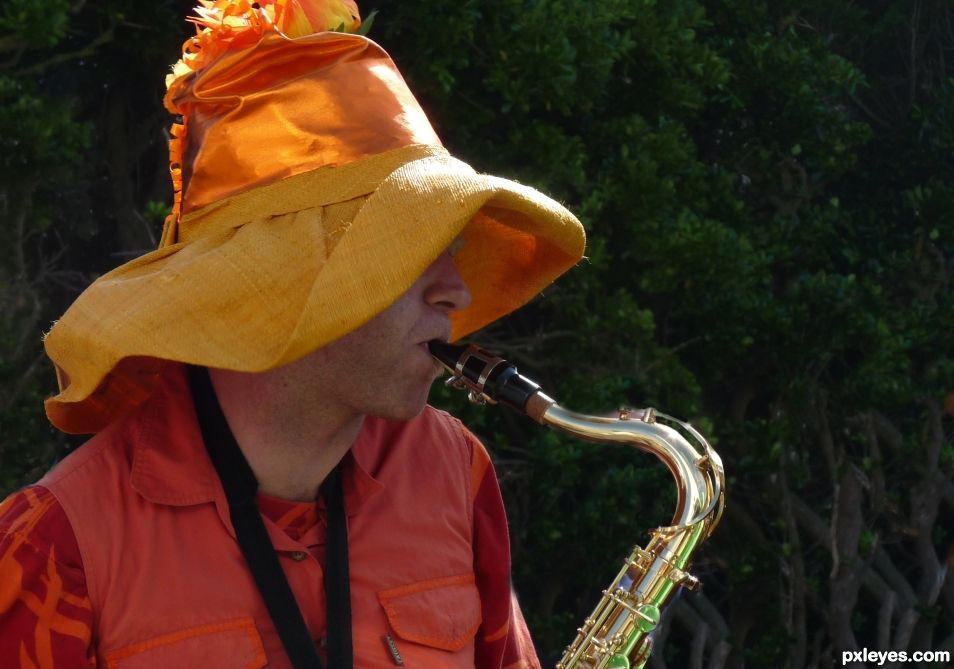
(223, 25)
(305, 17)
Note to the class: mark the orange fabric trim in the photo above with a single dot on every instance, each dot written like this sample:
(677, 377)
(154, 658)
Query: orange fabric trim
(33, 498)
(246, 624)
(25, 661)
(38, 508)
(421, 586)
(296, 513)
(11, 584)
(451, 643)
(74, 600)
(45, 612)
(40, 624)
(499, 634)
(288, 515)
(48, 617)
(12, 581)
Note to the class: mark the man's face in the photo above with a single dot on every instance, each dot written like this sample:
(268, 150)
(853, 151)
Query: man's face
(383, 368)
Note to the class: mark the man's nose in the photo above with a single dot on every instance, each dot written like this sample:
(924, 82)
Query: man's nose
(445, 288)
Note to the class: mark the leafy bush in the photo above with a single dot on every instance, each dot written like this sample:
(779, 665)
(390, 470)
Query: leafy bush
(769, 195)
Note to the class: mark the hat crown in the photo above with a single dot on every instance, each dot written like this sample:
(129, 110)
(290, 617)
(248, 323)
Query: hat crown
(263, 105)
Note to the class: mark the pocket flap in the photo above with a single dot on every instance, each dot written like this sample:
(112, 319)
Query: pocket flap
(233, 643)
(442, 613)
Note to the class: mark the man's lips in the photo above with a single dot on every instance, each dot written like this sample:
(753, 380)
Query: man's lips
(424, 345)
(441, 335)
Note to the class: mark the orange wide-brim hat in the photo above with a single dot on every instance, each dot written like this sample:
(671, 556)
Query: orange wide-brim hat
(311, 192)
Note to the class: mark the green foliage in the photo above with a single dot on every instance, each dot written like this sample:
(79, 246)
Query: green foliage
(59, 202)
(767, 252)
(769, 198)
(34, 23)
(38, 135)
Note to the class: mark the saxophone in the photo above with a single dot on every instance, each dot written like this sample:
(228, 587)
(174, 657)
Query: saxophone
(617, 633)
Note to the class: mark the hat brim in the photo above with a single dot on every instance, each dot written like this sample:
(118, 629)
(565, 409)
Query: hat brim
(295, 271)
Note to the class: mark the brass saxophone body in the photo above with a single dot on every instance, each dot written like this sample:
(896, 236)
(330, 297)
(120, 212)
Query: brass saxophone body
(617, 633)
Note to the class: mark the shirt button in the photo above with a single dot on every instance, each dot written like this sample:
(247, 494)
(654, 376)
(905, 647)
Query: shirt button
(298, 556)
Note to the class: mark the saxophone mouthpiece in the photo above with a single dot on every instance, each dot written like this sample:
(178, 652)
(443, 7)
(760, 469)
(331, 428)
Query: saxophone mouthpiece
(446, 354)
(489, 378)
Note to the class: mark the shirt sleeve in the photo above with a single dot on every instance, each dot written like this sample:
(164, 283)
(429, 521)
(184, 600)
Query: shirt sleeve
(503, 641)
(45, 613)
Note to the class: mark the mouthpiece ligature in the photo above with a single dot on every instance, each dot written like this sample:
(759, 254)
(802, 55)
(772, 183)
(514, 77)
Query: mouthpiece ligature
(489, 379)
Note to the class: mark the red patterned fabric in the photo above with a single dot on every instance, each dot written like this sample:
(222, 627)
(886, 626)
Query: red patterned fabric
(45, 614)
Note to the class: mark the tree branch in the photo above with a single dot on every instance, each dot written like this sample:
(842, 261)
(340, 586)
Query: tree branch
(885, 615)
(12, 43)
(846, 526)
(85, 52)
(795, 615)
(913, 72)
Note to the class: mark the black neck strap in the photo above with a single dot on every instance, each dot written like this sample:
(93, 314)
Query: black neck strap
(241, 486)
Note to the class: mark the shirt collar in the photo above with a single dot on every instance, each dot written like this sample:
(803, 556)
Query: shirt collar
(170, 464)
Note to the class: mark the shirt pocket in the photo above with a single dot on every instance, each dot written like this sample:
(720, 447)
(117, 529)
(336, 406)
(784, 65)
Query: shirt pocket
(235, 644)
(442, 613)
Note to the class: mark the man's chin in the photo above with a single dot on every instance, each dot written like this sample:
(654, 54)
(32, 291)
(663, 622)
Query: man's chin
(400, 416)
(404, 411)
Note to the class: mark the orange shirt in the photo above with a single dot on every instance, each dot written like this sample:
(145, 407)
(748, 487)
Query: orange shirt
(80, 585)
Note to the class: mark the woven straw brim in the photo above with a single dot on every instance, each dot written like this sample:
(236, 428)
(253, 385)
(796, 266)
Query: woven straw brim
(251, 291)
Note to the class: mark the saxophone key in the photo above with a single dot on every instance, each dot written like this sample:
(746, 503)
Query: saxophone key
(684, 579)
(648, 616)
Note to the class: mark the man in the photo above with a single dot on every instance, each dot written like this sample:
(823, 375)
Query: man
(266, 486)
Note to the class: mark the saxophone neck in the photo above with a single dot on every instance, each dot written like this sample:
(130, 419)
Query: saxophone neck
(694, 465)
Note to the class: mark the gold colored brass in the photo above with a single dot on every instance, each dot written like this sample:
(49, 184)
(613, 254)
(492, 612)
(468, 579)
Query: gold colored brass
(617, 633)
